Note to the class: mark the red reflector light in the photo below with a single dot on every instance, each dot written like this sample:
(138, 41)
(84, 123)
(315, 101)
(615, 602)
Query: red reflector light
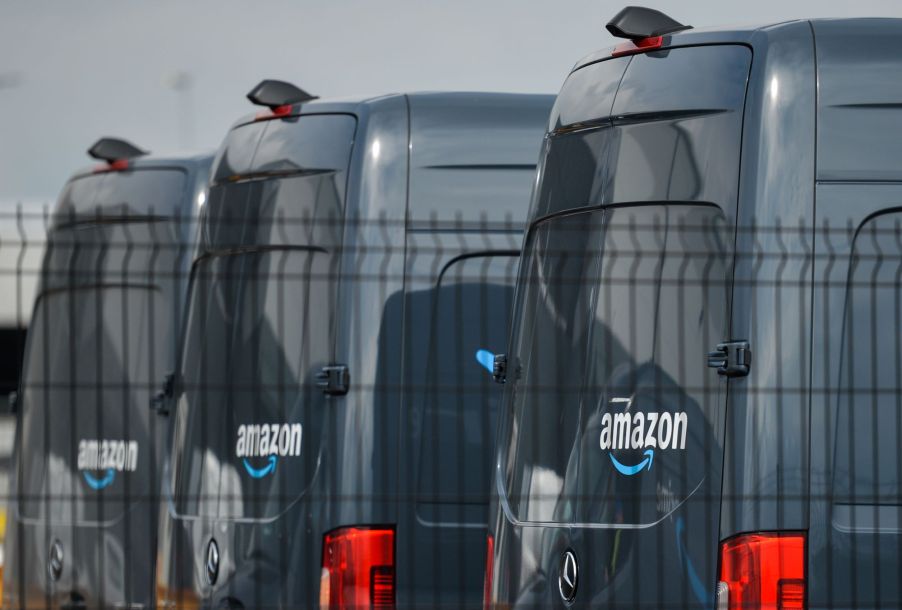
(764, 571)
(489, 572)
(358, 568)
(119, 165)
(275, 113)
(638, 46)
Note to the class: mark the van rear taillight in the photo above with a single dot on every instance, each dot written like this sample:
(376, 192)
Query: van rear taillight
(638, 46)
(762, 571)
(358, 568)
(489, 572)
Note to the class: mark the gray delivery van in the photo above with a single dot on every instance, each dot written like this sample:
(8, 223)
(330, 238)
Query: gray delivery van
(81, 530)
(334, 409)
(702, 403)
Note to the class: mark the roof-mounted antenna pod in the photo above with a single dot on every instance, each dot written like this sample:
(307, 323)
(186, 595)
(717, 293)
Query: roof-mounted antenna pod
(112, 150)
(639, 23)
(276, 93)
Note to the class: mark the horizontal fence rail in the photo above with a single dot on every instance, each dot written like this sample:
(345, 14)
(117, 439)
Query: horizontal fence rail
(265, 380)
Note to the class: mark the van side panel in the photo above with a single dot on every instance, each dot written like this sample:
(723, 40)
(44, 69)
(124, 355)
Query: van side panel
(859, 99)
(362, 471)
(473, 156)
(766, 455)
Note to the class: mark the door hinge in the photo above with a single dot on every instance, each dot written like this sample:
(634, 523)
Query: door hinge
(334, 380)
(731, 358)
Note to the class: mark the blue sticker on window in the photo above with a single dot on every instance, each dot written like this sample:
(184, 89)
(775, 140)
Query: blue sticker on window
(486, 359)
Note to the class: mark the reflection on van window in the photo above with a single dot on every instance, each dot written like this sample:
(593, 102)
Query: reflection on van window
(259, 329)
(615, 415)
(127, 195)
(559, 281)
(89, 371)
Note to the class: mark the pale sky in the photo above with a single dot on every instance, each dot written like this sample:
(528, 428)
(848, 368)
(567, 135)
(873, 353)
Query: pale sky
(74, 70)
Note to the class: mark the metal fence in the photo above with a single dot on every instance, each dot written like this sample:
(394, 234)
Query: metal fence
(209, 407)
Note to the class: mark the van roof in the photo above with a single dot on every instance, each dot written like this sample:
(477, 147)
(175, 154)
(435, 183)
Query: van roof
(188, 161)
(743, 34)
(358, 105)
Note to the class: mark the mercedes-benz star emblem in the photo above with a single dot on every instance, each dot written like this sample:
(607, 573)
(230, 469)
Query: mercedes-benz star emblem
(568, 578)
(55, 560)
(212, 562)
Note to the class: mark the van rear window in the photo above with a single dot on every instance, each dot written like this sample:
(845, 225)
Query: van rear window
(250, 414)
(89, 371)
(261, 308)
(614, 417)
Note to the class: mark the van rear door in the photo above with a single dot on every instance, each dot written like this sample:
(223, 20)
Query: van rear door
(261, 318)
(614, 431)
(101, 336)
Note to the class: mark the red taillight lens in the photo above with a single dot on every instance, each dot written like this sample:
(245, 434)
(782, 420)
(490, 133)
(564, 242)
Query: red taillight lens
(489, 572)
(358, 568)
(275, 113)
(638, 46)
(764, 571)
(119, 165)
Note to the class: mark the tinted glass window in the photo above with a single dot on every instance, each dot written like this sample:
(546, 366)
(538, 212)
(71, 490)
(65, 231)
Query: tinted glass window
(259, 330)
(650, 405)
(87, 449)
(614, 412)
(558, 284)
(260, 325)
(574, 173)
(292, 210)
(101, 338)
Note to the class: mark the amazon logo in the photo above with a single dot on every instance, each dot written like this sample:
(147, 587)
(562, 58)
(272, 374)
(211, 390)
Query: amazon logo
(259, 446)
(645, 431)
(100, 460)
